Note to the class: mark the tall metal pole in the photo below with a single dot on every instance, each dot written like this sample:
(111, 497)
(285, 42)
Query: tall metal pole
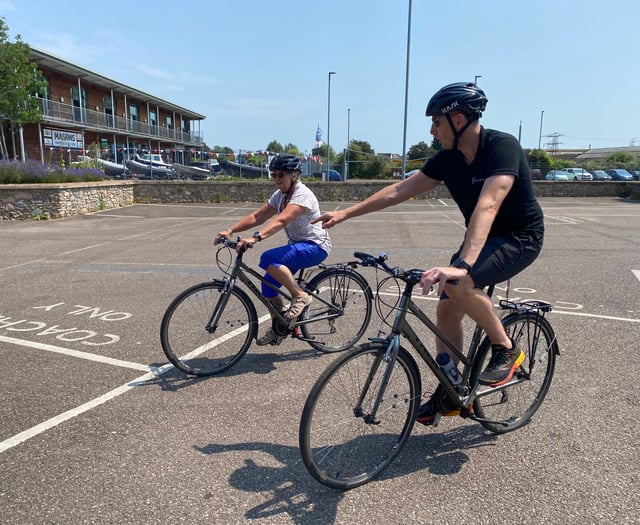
(475, 79)
(406, 96)
(346, 152)
(540, 135)
(329, 124)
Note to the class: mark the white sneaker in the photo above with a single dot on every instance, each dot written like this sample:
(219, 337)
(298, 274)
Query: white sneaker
(269, 338)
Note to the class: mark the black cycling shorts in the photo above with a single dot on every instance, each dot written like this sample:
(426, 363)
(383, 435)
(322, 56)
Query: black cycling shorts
(503, 257)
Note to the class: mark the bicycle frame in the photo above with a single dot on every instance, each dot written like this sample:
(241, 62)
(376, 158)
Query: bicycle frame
(402, 327)
(241, 271)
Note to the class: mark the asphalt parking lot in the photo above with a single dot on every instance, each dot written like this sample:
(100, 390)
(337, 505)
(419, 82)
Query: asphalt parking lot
(96, 429)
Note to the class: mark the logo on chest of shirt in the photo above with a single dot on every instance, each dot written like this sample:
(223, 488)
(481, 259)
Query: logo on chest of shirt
(475, 180)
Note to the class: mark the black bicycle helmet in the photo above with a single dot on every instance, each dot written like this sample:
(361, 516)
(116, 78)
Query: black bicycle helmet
(286, 162)
(465, 97)
(461, 96)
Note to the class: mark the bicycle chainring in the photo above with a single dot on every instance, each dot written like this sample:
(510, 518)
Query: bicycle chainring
(280, 328)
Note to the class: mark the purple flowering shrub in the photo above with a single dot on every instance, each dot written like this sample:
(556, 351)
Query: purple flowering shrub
(30, 172)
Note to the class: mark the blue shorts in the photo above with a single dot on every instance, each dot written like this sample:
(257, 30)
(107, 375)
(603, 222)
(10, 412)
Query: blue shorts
(294, 256)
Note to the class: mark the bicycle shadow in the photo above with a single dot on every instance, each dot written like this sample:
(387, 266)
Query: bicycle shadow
(289, 490)
(257, 362)
(441, 452)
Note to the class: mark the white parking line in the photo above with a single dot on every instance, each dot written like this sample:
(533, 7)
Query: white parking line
(73, 353)
(69, 414)
(54, 421)
(636, 273)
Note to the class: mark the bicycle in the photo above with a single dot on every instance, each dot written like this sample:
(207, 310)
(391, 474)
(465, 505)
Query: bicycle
(361, 410)
(209, 327)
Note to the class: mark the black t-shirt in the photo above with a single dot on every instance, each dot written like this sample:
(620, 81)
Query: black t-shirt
(498, 154)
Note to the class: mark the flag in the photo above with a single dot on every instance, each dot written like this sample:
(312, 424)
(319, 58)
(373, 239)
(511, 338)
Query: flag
(318, 136)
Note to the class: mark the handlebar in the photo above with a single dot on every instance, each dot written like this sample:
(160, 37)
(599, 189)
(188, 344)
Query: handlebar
(226, 241)
(412, 276)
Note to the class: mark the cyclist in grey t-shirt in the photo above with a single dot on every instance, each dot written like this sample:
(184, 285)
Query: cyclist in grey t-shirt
(292, 207)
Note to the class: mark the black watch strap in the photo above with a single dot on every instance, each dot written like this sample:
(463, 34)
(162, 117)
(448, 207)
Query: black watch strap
(257, 235)
(461, 263)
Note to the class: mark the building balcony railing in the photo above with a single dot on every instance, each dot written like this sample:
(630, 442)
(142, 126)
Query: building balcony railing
(66, 114)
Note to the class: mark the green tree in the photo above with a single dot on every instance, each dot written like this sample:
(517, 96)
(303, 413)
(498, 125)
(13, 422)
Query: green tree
(292, 149)
(539, 159)
(20, 82)
(621, 159)
(420, 151)
(322, 153)
(375, 167)
(275, 147)
(360, 152)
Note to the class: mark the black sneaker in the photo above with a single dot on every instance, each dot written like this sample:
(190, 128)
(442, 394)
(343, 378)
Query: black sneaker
(502, 365)
(438, 402)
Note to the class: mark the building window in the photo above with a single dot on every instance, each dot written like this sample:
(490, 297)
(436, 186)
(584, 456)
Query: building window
(109, 111)
(79, 104)
(133, 116)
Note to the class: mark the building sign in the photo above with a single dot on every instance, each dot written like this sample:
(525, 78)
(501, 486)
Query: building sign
(62, 139)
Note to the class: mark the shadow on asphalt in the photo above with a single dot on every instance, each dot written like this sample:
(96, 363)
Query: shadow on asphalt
(289, 489)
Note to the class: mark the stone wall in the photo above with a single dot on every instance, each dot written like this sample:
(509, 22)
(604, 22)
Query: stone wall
(42, 201)
(54, 201)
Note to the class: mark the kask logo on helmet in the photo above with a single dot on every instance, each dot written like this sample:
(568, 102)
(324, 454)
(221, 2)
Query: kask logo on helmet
(449, 108)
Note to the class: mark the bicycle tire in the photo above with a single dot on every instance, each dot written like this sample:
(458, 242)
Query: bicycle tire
(339, 448)
(512, 407)
(342, 325)
(188, 344)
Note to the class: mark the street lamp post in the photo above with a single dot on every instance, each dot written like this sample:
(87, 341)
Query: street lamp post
(475, 79)
(406, 96)
(345, 169)
(329, 123)
(540, 135)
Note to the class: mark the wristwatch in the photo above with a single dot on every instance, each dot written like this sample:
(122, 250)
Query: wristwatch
(461, 263)
(257, 235)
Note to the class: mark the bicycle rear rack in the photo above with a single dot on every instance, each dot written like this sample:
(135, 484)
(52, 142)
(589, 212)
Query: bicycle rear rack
(526, 306)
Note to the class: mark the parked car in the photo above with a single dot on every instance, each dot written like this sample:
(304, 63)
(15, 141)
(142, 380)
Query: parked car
(333, 176)
(557, 175)
(600, 175)
(578, 174)
(536, 174)
(636, 175)
(620, 174)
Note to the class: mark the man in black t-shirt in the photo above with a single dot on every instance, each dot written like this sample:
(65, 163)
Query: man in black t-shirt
(487, 174)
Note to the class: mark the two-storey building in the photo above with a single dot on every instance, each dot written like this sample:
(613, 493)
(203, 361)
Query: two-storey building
(85, 112)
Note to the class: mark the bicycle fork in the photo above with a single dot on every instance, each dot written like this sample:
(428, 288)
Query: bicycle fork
(388, 357)
(212, 325)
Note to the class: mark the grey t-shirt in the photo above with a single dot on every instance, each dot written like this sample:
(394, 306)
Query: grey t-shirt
(301, 229)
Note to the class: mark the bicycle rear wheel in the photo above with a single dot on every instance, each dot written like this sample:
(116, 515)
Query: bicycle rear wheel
(513, 406)
(341, 446)
(196, 348)
(341, 323)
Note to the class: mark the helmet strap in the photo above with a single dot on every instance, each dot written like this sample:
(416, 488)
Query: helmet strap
(458, 134)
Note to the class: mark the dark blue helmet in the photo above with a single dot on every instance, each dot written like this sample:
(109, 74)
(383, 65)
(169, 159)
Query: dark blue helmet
(286, 162)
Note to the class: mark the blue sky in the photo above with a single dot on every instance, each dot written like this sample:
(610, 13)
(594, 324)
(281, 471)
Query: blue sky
(259, 69)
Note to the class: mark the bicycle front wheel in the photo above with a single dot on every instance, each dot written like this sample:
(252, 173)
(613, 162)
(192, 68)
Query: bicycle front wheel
(343, 444)
(512, 406)
(195, 346)
(340, 313)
